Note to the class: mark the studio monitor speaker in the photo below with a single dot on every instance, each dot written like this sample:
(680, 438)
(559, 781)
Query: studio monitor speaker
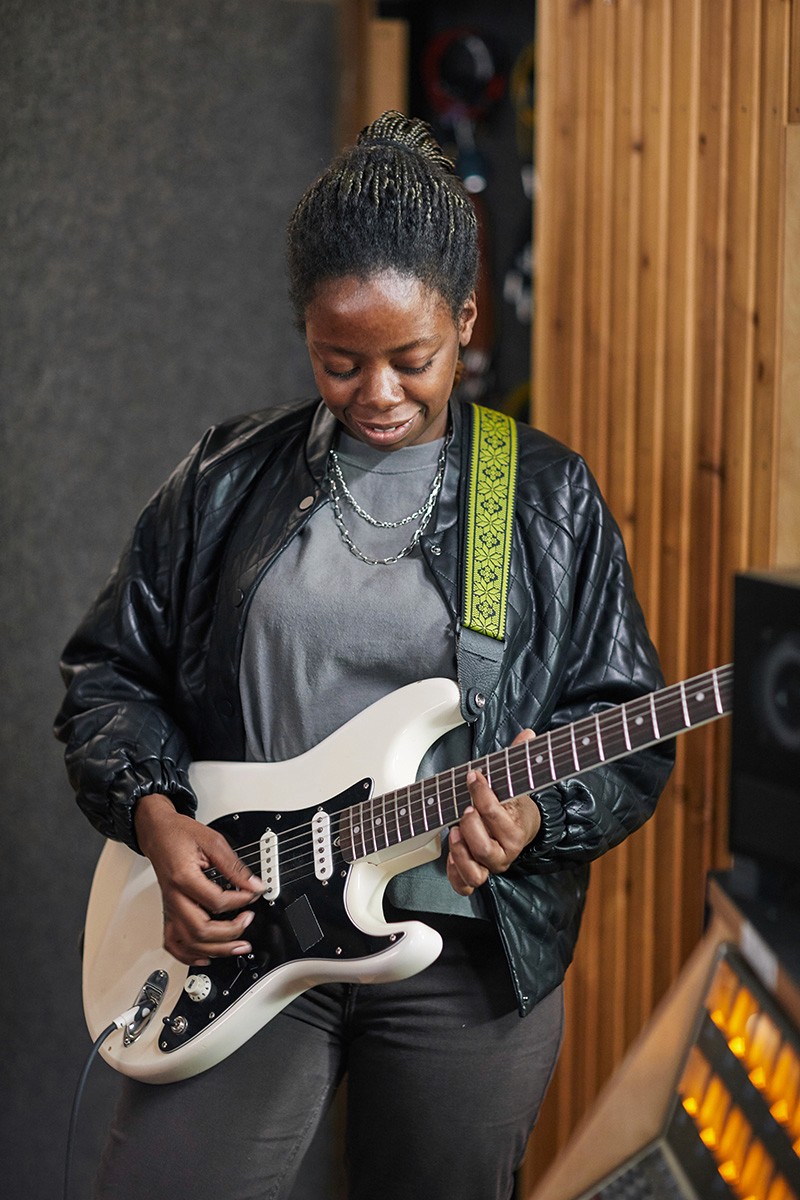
(765, 756)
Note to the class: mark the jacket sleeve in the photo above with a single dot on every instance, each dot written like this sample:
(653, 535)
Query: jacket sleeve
(606, 658)
(120, 667)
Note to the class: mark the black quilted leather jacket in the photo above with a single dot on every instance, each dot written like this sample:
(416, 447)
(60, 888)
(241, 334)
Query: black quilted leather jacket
(152, 672)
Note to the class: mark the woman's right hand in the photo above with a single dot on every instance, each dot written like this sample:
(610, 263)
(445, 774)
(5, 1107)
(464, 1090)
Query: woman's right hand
(181, 850)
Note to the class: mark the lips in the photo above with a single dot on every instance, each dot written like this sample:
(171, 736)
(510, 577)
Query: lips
(382, 433)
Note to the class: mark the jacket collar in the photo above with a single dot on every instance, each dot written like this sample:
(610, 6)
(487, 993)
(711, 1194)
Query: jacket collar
(320, 440)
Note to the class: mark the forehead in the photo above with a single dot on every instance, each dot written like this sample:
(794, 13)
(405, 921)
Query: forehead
(384, 306)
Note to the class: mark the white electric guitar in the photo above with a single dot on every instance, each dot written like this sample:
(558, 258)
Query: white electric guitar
(326, 832)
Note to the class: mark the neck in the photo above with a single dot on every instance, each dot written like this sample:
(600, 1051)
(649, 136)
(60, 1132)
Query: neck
(434, 804)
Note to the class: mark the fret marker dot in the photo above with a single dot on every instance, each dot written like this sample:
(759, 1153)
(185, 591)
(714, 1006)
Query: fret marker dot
(539, 758)
(700, 697)
(430, 801)
(640, 720)
(357, 829)
(377, 820)
(585, 741)
(402, 812)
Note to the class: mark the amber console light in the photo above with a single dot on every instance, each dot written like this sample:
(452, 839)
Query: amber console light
(741, 1090)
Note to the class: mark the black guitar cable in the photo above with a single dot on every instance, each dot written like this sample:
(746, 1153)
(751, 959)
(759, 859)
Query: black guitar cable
(120, 1022)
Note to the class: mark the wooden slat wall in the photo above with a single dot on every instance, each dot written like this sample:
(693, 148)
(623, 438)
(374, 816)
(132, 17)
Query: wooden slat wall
(661, 152)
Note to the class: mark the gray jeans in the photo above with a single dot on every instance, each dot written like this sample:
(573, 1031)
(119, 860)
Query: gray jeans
(444, 1083)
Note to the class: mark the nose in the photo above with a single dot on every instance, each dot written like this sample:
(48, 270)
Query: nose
(381, 387)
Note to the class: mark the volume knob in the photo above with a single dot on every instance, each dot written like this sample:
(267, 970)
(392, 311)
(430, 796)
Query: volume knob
(198, 988)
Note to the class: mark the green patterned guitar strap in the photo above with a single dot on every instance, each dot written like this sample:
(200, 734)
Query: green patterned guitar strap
(487, 556)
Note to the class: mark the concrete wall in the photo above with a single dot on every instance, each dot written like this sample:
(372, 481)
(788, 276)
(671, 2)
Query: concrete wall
(151, 153)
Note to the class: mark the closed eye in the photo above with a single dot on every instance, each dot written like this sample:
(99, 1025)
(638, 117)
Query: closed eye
(341, 374)
(344, 375)
(416, 370)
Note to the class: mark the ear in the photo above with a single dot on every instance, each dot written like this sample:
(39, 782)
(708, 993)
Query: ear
(466, 321)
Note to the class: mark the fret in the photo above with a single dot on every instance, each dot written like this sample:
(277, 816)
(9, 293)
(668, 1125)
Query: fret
(346, 835)
(386, 841)
(397, 817)
(438, 802)
(429, 814)
(574, 748)
(716, 693)
(425, 802)
(671, 712)
(531, 784)
(656, 730)
(615, 733)
(370, 826)
(600, 747)
(351, 812)
(393, 822)
(686, 718)
(553, 771)
(378, 831)
(358, 829)
(405, 813)
(447, 785)
(409, 810)
(586, 740)
(543, 758)
(705, 702)
(511, 791)
(416, 812)
(519, 771)
(367, 826)
(626, 731)
(562, 755)
(464, 799)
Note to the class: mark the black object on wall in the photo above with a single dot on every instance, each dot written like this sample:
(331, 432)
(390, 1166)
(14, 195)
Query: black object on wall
(765, 759)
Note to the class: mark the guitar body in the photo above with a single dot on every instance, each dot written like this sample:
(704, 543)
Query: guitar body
(326, 832)
(321, 923)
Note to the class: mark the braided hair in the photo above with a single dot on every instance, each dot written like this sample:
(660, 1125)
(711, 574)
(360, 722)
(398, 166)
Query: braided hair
(390, 202)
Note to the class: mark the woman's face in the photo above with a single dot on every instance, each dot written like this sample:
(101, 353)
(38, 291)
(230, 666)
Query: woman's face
(384, 353)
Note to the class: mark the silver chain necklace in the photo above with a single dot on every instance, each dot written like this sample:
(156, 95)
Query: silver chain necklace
(423, 514)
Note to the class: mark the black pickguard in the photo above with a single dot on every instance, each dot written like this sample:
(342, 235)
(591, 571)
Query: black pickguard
(306, 921)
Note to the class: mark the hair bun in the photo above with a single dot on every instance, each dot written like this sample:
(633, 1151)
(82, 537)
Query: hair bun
(394, 129)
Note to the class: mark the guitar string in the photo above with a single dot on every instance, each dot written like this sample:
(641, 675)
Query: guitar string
(416, 802)
(291, 862)
(562, 749)
(561, 745)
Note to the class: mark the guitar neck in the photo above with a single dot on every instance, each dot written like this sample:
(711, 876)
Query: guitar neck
(430, 805)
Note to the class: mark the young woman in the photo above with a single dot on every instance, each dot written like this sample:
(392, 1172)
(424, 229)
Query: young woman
(300, 564)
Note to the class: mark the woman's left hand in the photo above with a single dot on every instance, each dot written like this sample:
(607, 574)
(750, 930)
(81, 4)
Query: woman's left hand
(490, 834)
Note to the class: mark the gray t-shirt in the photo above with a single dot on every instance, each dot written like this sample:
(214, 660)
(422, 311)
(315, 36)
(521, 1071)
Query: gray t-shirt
(328, 635)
